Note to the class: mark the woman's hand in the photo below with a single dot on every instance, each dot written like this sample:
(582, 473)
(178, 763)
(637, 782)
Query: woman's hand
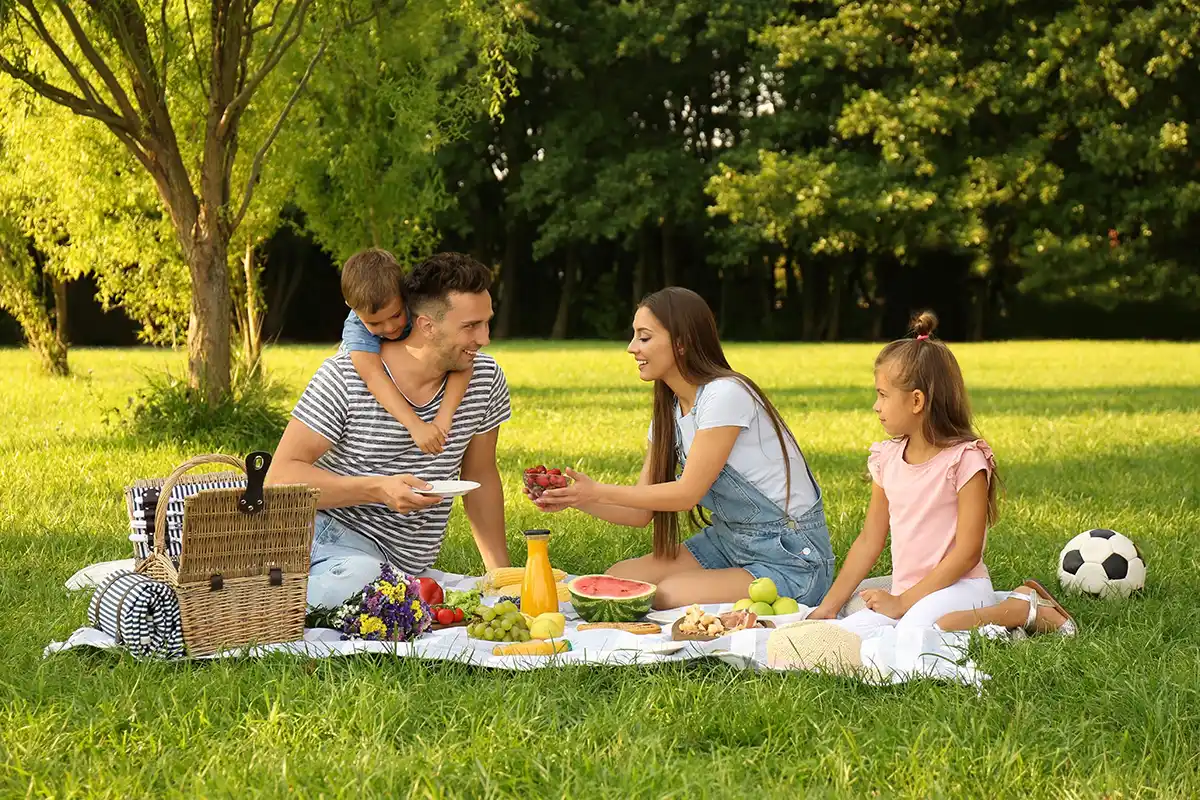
(543, 502)
(822, 612)
(581, 491)
(885, 603)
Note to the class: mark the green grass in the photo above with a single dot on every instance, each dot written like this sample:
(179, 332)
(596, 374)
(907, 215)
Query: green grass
(1086, 435)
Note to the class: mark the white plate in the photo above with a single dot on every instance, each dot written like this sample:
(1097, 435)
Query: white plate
(668, 616)
(448, 488)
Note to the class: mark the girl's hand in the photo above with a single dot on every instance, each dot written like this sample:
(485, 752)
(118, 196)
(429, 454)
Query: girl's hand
(582, 490)
(885, 603)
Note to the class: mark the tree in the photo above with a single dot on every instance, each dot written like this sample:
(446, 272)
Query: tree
(20, 296)
(175, 89)
(366, 139)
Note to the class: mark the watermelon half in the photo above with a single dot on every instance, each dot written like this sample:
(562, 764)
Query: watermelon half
(603, 598)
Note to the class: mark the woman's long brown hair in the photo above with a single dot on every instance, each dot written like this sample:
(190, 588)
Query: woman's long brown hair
(927, 365)
(692, 330)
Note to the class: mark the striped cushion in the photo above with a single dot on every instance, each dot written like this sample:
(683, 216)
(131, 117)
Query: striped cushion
(142, 545)
(142, 614)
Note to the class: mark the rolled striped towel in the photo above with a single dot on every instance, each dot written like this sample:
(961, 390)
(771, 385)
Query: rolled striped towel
(142, 614)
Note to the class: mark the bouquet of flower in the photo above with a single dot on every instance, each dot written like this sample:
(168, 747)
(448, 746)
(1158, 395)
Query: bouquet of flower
(388, 609)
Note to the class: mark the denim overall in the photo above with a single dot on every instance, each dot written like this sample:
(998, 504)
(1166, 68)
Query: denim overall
(752, 532)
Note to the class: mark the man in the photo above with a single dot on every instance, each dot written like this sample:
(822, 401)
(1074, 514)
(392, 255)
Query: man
(342, 441)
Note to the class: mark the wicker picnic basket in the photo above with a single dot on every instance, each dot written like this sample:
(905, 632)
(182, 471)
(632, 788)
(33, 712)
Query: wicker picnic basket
(242, 574)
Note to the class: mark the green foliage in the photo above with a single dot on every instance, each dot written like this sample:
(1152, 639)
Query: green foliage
(251, 416)
(387, 101)
(1009, 133)
(21, 297)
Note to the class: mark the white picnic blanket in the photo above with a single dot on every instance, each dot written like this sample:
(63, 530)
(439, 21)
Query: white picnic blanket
(886, 656)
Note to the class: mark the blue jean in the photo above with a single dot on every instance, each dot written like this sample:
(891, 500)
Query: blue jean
(343, 562)
(796, 557)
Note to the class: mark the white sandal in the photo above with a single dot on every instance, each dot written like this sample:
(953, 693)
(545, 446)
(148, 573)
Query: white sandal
(1039, 597)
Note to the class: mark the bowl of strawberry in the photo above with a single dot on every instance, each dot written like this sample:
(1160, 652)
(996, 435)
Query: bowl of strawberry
(538, 479)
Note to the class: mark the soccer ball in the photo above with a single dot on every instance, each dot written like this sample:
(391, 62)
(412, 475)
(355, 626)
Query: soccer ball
(1102, 563)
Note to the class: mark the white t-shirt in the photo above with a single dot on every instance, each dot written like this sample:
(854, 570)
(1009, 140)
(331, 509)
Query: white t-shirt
(756, 453)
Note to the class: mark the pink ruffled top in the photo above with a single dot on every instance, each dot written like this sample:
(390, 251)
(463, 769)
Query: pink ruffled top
(923, 504)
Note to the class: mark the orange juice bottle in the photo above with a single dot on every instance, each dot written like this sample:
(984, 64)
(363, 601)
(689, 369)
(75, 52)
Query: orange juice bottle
(538, 591)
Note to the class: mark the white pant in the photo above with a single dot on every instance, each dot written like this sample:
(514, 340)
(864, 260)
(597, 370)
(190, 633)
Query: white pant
(966, 594)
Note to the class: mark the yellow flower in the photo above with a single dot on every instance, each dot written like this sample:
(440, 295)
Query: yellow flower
(368, 625)
(393, 592)
(416, 607)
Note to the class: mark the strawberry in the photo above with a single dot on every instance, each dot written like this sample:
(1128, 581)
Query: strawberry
(543, 481)
(554, 471)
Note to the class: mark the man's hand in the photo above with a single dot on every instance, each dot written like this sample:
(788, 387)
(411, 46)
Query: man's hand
(396, 491)
(885, 603)
(428, 438)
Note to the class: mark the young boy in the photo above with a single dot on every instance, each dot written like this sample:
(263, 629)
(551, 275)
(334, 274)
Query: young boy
(372, 285)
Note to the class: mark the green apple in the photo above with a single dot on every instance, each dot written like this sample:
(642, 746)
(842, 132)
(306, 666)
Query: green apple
(762, 609)
(742, 604)
(786, 605)
(763, 591)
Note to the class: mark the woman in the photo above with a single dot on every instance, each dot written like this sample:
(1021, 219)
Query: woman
(740, 463)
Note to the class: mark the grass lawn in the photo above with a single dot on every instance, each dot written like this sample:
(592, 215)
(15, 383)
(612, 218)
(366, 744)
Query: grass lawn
(1086, 434)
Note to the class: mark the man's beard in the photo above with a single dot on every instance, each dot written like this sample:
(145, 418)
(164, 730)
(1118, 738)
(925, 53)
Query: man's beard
(449, 356)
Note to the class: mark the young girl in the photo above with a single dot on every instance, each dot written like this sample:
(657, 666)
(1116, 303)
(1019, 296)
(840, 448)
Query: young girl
(935, 490)
(739, 460)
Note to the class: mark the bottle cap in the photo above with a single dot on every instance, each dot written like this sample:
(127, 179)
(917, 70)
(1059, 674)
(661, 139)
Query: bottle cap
(537, 533)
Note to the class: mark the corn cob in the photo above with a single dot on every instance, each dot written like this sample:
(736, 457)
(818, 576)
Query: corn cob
(537, 647)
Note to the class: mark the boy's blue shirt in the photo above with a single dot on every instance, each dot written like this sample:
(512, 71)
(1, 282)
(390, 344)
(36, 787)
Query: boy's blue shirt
(356, 337)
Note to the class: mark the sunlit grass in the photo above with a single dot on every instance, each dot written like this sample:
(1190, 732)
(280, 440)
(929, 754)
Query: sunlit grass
(1086, 434)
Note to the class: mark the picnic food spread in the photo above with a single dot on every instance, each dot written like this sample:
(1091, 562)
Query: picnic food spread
(698, 621)
(605, 598)
(765, 600)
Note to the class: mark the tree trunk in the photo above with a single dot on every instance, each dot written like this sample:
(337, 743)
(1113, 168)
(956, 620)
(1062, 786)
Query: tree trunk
(209, 323)
(727, 279)
(509, 282)
(833, 317)
(61, 319)
(766, 289)
(642, 266)
(670, 253)
(813, 281)
(978, 310)
(570, 276)
(20, 299)
(251, 327)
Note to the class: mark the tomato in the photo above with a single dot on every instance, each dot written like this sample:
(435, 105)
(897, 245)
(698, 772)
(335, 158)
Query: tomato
(430, 592)
(458, 615)
(445, 616)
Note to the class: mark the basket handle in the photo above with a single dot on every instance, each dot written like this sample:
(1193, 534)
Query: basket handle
(164, 494)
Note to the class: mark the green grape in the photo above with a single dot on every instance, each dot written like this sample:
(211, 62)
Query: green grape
(490, 635)
(487, 614)
(508, 637)
(523, 636)
(507, 624)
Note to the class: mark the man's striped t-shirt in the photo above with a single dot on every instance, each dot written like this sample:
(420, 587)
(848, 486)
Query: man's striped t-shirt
(368, 441)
